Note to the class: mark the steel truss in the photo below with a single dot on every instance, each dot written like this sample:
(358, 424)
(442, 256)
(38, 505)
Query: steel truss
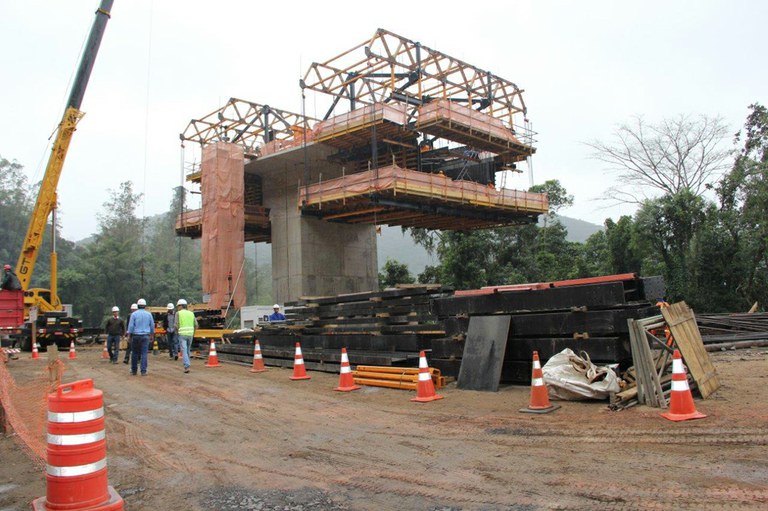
(245, 123)
(390, 68)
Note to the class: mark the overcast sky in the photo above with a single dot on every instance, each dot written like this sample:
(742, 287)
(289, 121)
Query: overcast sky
(585, 66)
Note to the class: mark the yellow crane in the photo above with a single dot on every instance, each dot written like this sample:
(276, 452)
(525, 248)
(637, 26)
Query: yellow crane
(47, 300)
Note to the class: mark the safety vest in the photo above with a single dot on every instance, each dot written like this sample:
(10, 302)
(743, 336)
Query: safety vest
(186, 322)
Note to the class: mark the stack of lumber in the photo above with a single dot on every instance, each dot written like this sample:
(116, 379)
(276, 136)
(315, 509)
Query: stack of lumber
(732, 331)
(584, 315)
(653, 340)
(394, 377)
(386, 328)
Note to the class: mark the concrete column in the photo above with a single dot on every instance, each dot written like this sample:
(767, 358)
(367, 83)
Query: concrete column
(312, 257)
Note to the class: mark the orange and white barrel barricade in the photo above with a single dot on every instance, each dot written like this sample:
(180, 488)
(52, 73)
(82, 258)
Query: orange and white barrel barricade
(76, 470)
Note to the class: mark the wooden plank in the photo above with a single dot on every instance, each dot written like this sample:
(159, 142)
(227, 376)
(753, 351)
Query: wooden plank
(483, 355)
(649, 386)
(682, 323)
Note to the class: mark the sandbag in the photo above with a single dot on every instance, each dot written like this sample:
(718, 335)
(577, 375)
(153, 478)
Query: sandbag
(573, 377)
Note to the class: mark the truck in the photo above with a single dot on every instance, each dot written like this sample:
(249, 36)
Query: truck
(53, 323)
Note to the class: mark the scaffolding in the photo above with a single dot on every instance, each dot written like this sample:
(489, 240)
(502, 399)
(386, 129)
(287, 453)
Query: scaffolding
(397, 196)
(417, 136)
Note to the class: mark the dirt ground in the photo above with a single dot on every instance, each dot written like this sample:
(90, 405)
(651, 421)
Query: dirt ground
(226, 439)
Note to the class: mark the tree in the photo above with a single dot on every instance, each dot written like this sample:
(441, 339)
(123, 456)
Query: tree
(507, 255)
(171, 263)
(677, 154)
(743, 194)
(15, 207)
(666, 228)
(110, 269)
(623, 254)
(557, 196)
(394, 273)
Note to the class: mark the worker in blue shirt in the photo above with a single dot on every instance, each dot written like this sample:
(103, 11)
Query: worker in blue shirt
(276, 316)
(141, 328)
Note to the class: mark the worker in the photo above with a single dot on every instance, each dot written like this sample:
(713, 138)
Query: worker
(277, 315)
(127, 358)
(141, 328)
(115, 330)
(10, 280)
(169, 323)
(186, 325)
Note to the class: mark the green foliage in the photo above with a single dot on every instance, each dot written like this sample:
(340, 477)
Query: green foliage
(394, 273)
(743, 194)
(557, 195)
(15, 206)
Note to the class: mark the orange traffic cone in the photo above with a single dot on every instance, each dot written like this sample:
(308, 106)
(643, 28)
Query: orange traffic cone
(213, 358)
(346, 380)
(539, 397)
(425, 389)
(681, 407)
(104, 352)
(72, 353)
(35, 353)
(258, 361)
(299, 372)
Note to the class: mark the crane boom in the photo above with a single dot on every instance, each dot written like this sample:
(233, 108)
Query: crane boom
(46, 198)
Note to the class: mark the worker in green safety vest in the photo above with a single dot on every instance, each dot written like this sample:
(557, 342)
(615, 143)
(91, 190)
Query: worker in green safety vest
(186, 324)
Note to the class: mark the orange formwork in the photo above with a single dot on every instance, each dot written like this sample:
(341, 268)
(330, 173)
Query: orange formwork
(449, 120)
(223, 226)
(396, 190)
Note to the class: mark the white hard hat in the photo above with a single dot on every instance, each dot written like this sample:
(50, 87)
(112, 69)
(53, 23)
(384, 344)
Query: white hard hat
(141, 301)
(275, 306)
(181, 301)
(115, 309)
(170, 306)
(134, 306)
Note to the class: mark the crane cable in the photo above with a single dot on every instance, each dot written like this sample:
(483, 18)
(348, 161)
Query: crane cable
(146, 143)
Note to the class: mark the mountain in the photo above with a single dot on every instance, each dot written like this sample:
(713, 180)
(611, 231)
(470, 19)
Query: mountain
(578, 230)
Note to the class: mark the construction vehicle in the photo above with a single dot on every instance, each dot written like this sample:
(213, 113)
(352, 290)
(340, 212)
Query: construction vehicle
(53, 324)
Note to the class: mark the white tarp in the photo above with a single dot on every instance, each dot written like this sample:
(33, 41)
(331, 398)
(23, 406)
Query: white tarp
(571, 377)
